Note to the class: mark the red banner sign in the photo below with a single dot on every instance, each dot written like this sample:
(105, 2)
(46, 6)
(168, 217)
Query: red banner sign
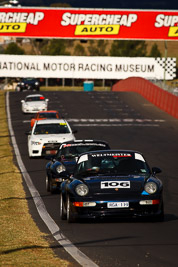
(89, 23)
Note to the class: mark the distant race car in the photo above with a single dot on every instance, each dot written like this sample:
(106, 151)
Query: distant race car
(34, 103)
(28, 84)
(115, 183)
(42, 115)
(47, 135)
(67, 155)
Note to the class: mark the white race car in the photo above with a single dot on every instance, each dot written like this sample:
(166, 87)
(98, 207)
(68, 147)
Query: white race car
(47, 135)
(34, 103)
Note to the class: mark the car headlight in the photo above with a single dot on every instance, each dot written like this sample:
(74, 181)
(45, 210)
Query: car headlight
(151, 187)
(35, 143)
(60, 168)
(36, 83)
(81, 190)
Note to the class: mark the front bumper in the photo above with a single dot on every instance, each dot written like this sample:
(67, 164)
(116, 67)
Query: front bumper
(29, 87)
(101, 210)
(44, 149)
(35, 150)
(50, 149)
(56, 183)
(34, 109)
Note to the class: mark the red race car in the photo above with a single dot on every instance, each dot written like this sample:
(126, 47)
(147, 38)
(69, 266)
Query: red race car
(42, 115)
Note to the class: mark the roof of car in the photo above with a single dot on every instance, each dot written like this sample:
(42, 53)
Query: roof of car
(84, 141)
(51, 121)
(112, 152)
(48, 111)
(34, 95)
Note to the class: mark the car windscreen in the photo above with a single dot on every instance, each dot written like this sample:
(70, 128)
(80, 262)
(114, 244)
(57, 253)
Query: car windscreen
(36, 98)
(71, 151)
(114, 164)
(48, 115)
(54, 128)
(29, 80)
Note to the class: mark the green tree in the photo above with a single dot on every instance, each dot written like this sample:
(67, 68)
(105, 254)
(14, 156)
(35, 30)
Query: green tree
(102, 44)
(97, 48)
(92, 49)
(79, 50)
(126, 48)
(55, 47)
(14, 49)
(155, 51)
(1, 50)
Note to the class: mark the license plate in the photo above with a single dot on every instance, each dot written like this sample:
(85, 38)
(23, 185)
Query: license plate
(112, 205)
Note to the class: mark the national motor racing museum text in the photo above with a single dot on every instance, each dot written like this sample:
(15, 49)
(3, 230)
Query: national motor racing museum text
(76, 67)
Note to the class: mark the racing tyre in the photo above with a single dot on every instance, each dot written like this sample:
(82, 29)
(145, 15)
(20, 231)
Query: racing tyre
(160, 217)
(63, 213)
(51, 189)
(70, 215)
(47, 184)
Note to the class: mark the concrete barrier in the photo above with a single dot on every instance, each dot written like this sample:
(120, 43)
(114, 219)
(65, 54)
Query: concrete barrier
(156, 95)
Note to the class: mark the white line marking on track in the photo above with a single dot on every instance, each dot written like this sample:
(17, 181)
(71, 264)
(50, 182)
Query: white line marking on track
(115, 125)
(79, 256)
(110, 120)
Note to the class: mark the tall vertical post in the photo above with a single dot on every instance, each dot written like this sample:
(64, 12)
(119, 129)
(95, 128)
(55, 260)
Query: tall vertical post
(165, 56)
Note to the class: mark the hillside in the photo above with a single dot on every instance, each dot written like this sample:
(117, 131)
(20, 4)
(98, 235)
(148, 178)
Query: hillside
(172, 47)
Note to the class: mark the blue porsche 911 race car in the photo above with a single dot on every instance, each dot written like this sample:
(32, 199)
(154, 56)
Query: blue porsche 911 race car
(67, 155)
(113, 183)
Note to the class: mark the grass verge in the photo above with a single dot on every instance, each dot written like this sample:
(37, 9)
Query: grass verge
(21, 242)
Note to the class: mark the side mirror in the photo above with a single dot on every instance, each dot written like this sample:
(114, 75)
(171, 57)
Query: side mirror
(22, 101)
(156, 170)
(74, 131)
(47, 100)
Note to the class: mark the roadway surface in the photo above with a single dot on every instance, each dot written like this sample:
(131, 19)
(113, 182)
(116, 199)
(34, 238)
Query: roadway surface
(128, 121)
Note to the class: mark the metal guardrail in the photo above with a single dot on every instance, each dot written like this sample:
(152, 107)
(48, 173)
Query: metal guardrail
(171, 89)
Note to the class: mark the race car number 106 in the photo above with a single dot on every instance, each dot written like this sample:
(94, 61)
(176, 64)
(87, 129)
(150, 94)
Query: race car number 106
(112, 205)
(115, 184)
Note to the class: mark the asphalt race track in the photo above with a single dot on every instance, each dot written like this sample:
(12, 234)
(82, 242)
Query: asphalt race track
(126, 121)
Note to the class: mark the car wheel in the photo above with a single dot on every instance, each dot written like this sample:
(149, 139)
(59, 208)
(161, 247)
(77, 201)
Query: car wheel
(47, 184)
(70, 215)
(51, 189)
(160, 217)
(63, 213)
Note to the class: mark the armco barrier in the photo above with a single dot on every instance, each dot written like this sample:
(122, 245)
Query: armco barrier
(156, 95)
